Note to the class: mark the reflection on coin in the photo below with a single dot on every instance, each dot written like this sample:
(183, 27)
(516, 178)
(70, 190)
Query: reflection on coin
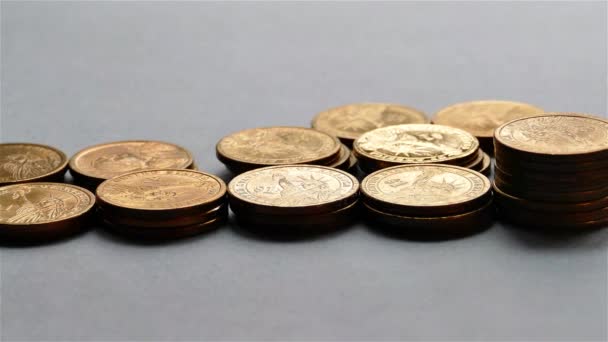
(101, 162)
(292, 190)
(22, 162)
(481, 118)
(350, 121)
(426, 190)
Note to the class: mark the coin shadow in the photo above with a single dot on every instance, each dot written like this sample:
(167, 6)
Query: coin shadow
(402, 233)
(543, 238)
(9, 243)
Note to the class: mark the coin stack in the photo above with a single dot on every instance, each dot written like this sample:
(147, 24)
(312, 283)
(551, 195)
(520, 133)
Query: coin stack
(270, 146)
(551, 171)
(419, 144)
(481, 118)
(24, 162)
(428, 200)
(98, 163)
(294, 198)
(162, 203)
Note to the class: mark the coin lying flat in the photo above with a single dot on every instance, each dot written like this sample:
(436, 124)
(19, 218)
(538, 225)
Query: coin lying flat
(177, 232)
(292, 190)
(350, 121)
(43, 210)
(426, 190)
(481, 118)
(100, 162)
(171, 223)
(23, 162)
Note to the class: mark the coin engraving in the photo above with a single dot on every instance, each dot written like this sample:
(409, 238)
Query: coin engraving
(161, 189)
(278, 145)
(292, 186)
(556, 134)
(416, 143)
(36, 203)
(27, 161)
(351, 121)
(481, 118)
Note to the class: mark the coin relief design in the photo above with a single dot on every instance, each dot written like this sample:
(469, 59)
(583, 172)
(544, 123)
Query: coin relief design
(278, 145)
(416, 143)
(556, 134)
(27, 161)
(291, 186)
(351, 121)
(481, 118)
(161, 189)
(113, 159)
(37, 203)
(425, 185)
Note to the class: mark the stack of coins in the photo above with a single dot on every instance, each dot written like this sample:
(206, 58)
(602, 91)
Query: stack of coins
(95, 164)
(294, 198)
(347, 123)
(162, 204)
(428, 200)
(272, 146)
(551, 171)
(24, 162)
(481, 118)
(35, 212)
(419, 144)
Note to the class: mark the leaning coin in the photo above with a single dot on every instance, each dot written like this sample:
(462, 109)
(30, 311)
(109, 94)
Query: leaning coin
(24, 162)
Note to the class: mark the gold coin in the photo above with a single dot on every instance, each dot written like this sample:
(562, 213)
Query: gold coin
(23, 162)
(551, 195)
(486, 166)
(481, 118)
(153, 222)
(343, 160)
(43, 210)
(292, 190)
(415, 144)
(100, 162)
(137, 233)
(426, 190)
(554, 135)
(332, 219)
(162, 191)
(350, 121)
(258, 147)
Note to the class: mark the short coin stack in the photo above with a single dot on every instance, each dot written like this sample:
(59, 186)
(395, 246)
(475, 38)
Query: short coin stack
(552, 171)
(419, 144)
(162, 203)
(428, 200)
(271, 146)
(294, 198)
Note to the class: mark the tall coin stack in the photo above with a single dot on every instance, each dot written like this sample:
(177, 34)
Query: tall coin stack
(551, 171)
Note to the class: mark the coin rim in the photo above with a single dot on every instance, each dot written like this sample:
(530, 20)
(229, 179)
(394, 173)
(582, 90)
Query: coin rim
(62, 168)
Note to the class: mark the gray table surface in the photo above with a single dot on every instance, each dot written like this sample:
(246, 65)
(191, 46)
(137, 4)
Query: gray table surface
(76, 74)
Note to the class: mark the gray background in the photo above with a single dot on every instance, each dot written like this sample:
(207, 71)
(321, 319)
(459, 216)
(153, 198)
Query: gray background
(76, 74)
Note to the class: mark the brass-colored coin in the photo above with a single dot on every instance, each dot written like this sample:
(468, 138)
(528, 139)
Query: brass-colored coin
(549, 220)
(554, 136)
(139, 233)
(551, 181)
(426, 190)
(551, 195)
(43, 210)
(350, 121)
(259, 147)
(486, 166)
(171, 222)
(163, 191)
(415, 144)
(100, 162)
(292, 190)
(23, 162)
(477, 162)
(343, 160)
(481, 118)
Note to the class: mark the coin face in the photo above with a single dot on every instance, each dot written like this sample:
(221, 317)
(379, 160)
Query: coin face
(481, 118)
(42, 203)
(293, 186)
(161, 189)
(278, 145)
(416, 143)
(350, 121)
(109, 160)
(29, 162)
(555, 134)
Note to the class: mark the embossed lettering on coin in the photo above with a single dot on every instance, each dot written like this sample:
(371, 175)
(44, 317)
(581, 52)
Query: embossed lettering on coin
(20, 162)
(37, 203)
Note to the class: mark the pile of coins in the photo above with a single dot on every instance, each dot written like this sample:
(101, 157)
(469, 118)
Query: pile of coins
(419, 144)
(294, 197)
(272, 146)
(428, 200)
(162, 204)
(551, 171)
